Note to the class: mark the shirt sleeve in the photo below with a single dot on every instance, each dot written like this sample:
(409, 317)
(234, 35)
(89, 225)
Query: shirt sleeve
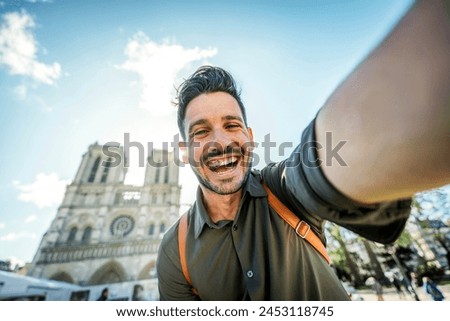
(300, 183)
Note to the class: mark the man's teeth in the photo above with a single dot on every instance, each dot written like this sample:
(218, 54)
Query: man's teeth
(222, 162)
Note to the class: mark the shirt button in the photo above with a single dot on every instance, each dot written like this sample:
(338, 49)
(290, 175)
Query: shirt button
(235, 227)
(250, 273)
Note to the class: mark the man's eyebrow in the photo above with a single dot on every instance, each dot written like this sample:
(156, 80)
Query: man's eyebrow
(231, 117)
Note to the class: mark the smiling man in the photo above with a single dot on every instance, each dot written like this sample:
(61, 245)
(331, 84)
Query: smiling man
(258, 235)
(214, 121)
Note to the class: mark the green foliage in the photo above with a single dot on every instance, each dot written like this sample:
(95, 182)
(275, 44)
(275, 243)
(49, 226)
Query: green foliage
(430, 270)
(337, 256)
(405, 239)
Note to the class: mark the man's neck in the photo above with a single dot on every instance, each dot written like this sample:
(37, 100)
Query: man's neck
(221, 207)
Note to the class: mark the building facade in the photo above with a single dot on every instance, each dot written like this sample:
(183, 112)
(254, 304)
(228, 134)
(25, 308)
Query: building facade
(107, 232)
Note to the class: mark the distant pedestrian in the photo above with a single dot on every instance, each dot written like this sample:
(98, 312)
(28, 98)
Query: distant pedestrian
(398, 287)
(138, 293)
(104, 296)
(432, 290)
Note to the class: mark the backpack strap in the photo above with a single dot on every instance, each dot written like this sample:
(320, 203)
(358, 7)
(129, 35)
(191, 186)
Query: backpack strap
(301, 227)
(182, 234)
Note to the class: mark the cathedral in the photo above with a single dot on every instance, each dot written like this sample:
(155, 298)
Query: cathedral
(107, 233)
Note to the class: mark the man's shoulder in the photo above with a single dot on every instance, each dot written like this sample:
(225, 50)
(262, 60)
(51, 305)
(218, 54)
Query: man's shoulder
(272, 171)
(255, 173)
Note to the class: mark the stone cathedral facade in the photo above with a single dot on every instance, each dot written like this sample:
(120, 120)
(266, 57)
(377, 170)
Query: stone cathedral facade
(106, 232)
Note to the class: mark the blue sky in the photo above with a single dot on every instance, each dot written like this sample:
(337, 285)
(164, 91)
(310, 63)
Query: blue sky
(76, 72)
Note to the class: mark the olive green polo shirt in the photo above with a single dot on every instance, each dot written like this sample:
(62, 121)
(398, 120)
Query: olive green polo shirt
(258, 256)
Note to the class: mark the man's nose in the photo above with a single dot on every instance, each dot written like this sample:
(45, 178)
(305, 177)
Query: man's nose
(220, 144)
(222, 139)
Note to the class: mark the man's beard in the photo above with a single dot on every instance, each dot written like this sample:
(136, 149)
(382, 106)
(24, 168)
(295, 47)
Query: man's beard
(219, 189)
(228, 151)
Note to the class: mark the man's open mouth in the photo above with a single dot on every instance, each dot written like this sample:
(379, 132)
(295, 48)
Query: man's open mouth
(222, 165)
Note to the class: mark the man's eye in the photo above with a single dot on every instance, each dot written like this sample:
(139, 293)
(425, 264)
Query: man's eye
(232, 126)
(200, 132)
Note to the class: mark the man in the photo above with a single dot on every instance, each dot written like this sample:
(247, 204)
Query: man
(432, 290)
(104, 296)
(138, 293)
(394, 112)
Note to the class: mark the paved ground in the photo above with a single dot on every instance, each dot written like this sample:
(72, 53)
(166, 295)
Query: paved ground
(390, 294)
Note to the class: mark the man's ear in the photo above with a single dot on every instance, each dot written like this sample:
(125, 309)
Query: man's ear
(184, 152)
(250, 134)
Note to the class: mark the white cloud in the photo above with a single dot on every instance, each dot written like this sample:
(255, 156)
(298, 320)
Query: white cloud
(18, 49)
(157, 66)
(2, 225)
(11, 237)
(31, 218)
(45, 191)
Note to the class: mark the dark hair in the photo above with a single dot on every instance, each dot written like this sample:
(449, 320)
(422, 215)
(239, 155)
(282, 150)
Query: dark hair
(206, 79)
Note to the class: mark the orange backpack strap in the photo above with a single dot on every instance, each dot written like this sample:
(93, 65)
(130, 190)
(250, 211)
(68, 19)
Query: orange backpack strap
(182, 234)
(301, 227)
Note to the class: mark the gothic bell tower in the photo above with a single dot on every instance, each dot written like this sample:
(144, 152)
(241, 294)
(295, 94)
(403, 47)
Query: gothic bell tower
(108, 232)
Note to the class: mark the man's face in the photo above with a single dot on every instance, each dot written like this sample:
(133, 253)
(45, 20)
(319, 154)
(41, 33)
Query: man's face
(219, 143)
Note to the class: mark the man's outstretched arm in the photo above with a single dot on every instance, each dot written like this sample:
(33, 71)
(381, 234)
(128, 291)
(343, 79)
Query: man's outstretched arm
(394, 111)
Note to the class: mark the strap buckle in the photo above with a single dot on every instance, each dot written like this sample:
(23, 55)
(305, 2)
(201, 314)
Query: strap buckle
(302, 225)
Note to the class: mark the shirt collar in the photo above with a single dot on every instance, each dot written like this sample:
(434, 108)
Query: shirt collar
(252, 187)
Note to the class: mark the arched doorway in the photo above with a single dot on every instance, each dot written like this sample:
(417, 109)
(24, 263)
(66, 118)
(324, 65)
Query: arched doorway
(111, 272)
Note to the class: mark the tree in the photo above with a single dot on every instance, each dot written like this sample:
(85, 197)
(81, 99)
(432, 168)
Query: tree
(335, 232)
(374, 262)
(431, 210)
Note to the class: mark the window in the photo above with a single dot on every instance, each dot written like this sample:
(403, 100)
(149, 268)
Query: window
(86, 238)
(151, 229)
(166, 174)
(72, 234)
(94, 170)
(106, 170)
(122, 226)
(157, 172)
(98, 198)
(162, 228)
(82, 198)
